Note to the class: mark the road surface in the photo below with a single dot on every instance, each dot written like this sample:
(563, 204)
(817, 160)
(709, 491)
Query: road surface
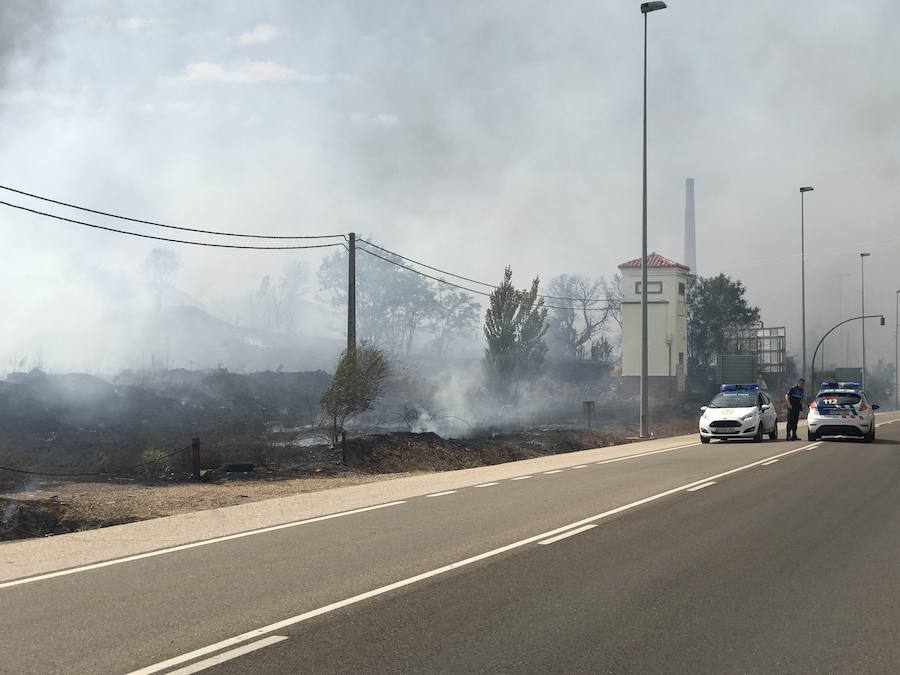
(740, 557)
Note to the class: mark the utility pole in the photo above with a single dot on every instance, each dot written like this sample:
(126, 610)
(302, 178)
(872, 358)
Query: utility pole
(351, 296)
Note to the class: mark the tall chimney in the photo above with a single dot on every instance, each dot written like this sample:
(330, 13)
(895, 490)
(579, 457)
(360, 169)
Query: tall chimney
(690, 232)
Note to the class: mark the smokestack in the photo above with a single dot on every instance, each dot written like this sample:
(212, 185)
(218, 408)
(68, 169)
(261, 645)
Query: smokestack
(690, 232)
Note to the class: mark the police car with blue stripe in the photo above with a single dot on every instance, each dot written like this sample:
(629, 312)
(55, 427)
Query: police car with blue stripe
(841, 409)
(739, 411)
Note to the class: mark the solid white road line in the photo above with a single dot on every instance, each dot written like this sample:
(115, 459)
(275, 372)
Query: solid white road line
(196, 544)
(522, 478)
(487, 484)
(274, 627)
(700, 487)
(565, 535)
(580, 466)
(441, 494)
(227, 656)
(771, 461)
(547, 473)
(645, 454)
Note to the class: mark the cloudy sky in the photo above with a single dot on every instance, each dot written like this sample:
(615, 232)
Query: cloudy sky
(466, 134)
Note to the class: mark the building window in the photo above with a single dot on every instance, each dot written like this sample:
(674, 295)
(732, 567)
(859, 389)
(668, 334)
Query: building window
(653, 287)
(680, 288)
(680, 358)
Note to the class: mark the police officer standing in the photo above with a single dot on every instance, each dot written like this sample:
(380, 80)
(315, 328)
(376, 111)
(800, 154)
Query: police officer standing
(794, 400)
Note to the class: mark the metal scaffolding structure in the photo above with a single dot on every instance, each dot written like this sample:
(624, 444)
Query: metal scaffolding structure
(763, 350)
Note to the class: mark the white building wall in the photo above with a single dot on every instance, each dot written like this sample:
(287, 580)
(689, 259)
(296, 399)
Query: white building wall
(666, 317)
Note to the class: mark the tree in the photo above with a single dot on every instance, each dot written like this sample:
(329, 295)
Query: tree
(514, 326)
(612, 291)
(160, 267)
(716, 307)
(584, 313)
(356, 385)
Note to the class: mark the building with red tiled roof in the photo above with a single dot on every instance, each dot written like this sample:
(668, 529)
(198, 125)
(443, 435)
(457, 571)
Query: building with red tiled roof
(666, 323)
(653, 260)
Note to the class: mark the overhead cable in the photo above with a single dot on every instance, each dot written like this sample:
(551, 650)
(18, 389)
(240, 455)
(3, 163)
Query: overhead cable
(444, 281)
(475, 281)
(170, 227)
(174, 241)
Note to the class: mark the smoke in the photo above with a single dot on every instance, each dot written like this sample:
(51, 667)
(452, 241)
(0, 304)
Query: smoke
(469, 137)
(26, 33)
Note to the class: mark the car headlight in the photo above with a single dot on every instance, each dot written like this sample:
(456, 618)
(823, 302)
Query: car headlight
(749, 416)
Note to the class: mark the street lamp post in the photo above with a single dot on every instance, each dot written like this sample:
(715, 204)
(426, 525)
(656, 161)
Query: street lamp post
(803, 191)
(897, 354)
(646, 8)
(862, 266)
(836, 326)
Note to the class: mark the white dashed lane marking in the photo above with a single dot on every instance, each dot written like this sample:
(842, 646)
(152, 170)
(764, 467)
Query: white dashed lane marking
(441, 494)
(487, 485)
(565, 535)
(700, 487)
(547, 473)
(522, 478)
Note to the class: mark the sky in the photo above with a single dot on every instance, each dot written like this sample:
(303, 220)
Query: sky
(470, 135)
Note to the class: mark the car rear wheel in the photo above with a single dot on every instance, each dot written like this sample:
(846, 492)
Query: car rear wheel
(869, 437)
(773, 435)
(757, 438)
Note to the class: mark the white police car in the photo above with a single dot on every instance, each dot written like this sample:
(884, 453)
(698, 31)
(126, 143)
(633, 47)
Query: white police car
(739, 411)
(841, 409)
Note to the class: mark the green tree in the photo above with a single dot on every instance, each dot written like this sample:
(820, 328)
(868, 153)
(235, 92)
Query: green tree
(514, 326)
(716, 307)
(355, 386)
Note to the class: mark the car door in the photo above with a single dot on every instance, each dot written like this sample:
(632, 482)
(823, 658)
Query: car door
(770, 416)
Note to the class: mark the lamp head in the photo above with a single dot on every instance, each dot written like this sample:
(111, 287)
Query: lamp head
(651, 6)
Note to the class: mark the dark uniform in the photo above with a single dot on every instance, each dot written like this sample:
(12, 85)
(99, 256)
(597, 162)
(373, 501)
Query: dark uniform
(795, 402)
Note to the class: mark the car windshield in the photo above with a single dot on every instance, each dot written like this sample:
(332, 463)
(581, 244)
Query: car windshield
(733, 399)
(838, 398)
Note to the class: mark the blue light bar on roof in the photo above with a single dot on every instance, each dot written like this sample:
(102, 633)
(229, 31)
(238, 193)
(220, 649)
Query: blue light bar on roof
(851, 385)
(740, 387)
(829, 385)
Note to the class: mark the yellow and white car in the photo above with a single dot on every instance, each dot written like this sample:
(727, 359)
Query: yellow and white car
(739, 411)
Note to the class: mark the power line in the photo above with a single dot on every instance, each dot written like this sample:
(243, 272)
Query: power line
(174, 241)
(475, 281)
(444, 281)
(170, 227)
(421, 264)
(415, 271)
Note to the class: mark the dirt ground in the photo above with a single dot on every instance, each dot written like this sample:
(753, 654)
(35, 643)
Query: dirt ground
(51, 507)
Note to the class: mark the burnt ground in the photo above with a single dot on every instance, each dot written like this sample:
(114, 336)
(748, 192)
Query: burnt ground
(43, 506)
(122, 432)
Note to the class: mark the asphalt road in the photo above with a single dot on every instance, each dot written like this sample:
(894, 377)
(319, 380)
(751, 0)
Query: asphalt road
(784, 566)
